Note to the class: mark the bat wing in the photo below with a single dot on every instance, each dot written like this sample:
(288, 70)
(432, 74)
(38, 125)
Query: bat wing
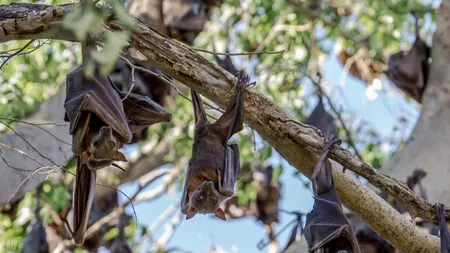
(84, 191)
(326, 223)
(443, 229)
(141, 112)
(232, 119)
(97, 96)
(321, 119)
(231, 170)
(199, 111)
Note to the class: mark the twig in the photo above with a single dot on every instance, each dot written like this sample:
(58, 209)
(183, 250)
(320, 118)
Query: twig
(161, 219)
(25, 140)
(235, 54)
(34, 124)
(39, 125)
(31, 174)
(132, 84)
(15, 53)
(163, 78)
(168, 233)
(153, 194)
(20, 152)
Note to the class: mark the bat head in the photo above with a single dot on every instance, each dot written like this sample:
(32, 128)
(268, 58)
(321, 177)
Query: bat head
(206, 199)
(105, 145)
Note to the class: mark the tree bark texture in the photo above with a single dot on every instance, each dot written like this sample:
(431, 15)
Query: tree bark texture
(298, 143)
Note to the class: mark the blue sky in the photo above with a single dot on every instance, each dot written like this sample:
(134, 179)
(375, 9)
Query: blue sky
(198, 234)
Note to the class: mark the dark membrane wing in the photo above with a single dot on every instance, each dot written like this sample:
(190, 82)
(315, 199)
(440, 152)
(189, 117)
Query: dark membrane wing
(142, 112)
(84, 191)
(95, 95)
(326, 222)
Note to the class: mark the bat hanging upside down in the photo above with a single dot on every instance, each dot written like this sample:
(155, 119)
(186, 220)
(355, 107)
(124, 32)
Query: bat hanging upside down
(214, 167)
(102, 119)
(327, 229)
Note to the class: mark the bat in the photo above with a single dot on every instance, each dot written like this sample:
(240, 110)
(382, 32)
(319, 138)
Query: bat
(409, 70)
(296, 230)
(36, 240)
(327, 228)
(214, 166)
(368, 240)
(141, 111)
(443, 229)
(185, 19)
(322, 120)
(268, 195)
(146, 85)
(120, 243)
(98, 124)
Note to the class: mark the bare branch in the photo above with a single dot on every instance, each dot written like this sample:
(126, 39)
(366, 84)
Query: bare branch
(235, 54)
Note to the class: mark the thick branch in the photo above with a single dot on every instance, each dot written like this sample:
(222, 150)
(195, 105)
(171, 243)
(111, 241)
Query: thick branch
(32, 21)
(298, 143)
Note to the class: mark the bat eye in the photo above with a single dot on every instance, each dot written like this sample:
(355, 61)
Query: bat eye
(112, 143)
(96, 144)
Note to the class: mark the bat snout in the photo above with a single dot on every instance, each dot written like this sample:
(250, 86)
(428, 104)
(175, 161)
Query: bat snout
(106, 129)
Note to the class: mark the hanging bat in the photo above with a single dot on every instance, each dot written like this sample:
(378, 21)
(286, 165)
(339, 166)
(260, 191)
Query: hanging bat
(296, 231)
(322, 120)
(327, 228)
(409, 71)
(265, 206)
(120, 243)
(443, 229)
(36, 240)
(214, 166)
(185, 19)
(98, 124)
(145, 84)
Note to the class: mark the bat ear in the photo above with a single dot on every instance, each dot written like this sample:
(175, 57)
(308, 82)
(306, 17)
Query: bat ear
(220, 214)
(190, 213)
(120, 157)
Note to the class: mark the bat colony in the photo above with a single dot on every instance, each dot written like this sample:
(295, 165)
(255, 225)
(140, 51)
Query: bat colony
(106, 112)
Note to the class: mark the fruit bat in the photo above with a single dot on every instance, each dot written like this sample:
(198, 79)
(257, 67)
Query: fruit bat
(214, 166)
(322, 120)
(409, 70)
(265, 207)
(98, 124)
(296, 230)
(368, 240)
(145, 85)
(35, 240)
(327, 228)
(443, 229)
(120, 243)
(185, 19)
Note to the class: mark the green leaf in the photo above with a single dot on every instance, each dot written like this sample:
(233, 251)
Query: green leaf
(277, 173)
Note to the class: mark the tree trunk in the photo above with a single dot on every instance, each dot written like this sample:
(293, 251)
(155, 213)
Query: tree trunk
(428, 146)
